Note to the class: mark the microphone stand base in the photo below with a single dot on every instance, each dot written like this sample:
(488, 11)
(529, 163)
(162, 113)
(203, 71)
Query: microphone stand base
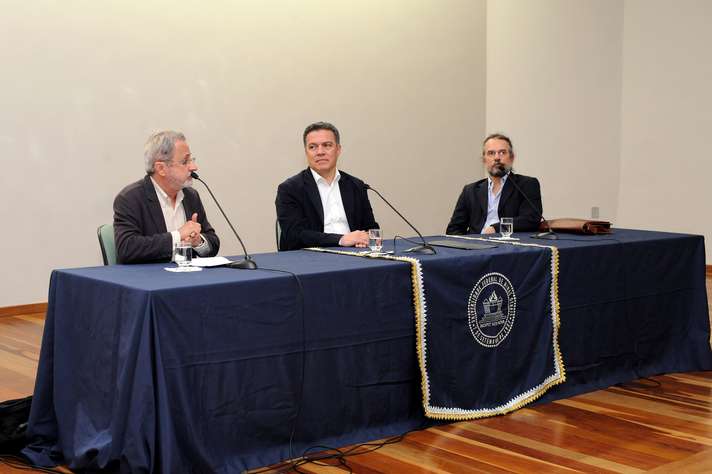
(548, 235)
(422, 249)
(246, 264)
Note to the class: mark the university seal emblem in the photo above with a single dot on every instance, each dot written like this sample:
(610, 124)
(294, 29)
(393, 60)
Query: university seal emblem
(491, 309)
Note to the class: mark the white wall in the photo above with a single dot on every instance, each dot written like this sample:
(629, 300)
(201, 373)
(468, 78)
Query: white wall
(85, 82)
(553, 85)
(608, 103)
(667, 117)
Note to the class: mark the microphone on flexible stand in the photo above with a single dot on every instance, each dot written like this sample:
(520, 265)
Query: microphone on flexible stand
(549, 234)
(247, 263)
(425, 248)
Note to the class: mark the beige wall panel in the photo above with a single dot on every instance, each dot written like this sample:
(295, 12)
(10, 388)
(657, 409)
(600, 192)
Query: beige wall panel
(667, 117)
(553, 85)
(85, 82)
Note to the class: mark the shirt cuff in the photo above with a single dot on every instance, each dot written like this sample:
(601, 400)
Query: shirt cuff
(204, 248)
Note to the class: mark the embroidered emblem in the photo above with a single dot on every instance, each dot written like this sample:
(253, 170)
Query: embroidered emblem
(491, 309)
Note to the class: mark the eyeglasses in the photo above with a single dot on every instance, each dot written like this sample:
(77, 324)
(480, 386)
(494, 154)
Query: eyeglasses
(501, 153)
(184, 162)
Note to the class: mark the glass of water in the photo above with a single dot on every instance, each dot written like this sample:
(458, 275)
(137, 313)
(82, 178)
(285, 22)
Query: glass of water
(375, 240)
(506, 227)
(183, 254)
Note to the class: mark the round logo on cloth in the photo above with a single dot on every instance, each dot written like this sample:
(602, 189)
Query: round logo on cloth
(491, 309)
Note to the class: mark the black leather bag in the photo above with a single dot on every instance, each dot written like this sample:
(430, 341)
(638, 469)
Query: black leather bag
(14, 415)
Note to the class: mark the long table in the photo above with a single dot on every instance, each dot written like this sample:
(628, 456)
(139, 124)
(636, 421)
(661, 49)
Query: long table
(217, 371)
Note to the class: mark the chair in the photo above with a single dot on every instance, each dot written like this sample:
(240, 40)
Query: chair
(277, 233)
(105, 232)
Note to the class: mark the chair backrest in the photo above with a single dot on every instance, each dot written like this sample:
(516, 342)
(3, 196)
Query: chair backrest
(277, 233)
(105, 232)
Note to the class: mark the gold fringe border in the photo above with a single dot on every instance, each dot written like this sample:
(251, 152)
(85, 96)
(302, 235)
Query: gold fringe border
(421, 322)
(559, 375)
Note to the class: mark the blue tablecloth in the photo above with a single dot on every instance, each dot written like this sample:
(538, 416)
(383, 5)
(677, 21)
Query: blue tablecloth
(148, 370)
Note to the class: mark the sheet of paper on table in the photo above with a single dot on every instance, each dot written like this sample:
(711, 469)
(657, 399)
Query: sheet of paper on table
(209, 261)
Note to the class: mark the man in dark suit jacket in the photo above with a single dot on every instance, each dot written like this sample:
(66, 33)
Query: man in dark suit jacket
(482, 203)
(322, 206)
(154, 213)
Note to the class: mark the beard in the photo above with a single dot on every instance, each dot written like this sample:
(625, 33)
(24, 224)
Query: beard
(188, 183)
(498, 170)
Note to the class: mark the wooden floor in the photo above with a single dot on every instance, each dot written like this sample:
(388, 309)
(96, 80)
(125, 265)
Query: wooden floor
(639, 427)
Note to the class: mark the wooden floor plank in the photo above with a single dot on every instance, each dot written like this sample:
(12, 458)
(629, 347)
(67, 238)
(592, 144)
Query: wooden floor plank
(702, 379)
(500, 453)
(699, 463)
(527, 446)
(552, 424)
(419, 458)
(668, 418)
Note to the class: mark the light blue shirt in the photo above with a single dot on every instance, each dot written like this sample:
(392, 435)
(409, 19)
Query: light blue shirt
(493, 202)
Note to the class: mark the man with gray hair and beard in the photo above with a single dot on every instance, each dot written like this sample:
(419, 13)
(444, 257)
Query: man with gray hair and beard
(155, 213)
(483, 203)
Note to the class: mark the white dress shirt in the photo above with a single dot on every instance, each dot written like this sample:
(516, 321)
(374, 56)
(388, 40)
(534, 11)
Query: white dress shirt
(335, 221)
(175, 217)
(493, 202)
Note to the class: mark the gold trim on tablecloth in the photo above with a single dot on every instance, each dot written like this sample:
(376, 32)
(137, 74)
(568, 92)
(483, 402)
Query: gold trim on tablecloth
(420, 307)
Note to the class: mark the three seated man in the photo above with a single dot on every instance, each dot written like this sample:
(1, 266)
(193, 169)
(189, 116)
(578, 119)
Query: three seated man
(321, 206)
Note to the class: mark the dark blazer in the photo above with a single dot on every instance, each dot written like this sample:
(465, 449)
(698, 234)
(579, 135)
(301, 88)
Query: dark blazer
(301, 215)
(471, 208)
(140, 229)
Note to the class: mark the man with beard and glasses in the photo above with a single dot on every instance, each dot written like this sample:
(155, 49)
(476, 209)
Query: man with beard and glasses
(482, 203)
(155, 213)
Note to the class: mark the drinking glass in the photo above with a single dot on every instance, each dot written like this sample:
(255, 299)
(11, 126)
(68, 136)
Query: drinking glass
(506, 227)
(375, 240)
(182, 254)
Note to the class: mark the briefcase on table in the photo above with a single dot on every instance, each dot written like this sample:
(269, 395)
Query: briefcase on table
(577, 226)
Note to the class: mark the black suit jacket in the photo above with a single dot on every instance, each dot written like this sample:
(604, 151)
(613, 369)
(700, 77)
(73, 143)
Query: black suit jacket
(301, 215)
(140, 229)
(471, 208)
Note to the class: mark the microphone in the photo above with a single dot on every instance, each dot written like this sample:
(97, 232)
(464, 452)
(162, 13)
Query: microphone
(549, 234)
(247, 263)
(425, 248)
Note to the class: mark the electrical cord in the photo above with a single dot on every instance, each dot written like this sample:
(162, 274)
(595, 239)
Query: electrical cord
(325, 453)
(403, 238)
(300, 292)
(341, 455)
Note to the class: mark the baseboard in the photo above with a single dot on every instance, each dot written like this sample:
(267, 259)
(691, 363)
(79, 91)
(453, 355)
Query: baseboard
(23, 309)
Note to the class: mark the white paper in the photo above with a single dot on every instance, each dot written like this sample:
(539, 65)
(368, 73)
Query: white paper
(182, 269)
(209, 261)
